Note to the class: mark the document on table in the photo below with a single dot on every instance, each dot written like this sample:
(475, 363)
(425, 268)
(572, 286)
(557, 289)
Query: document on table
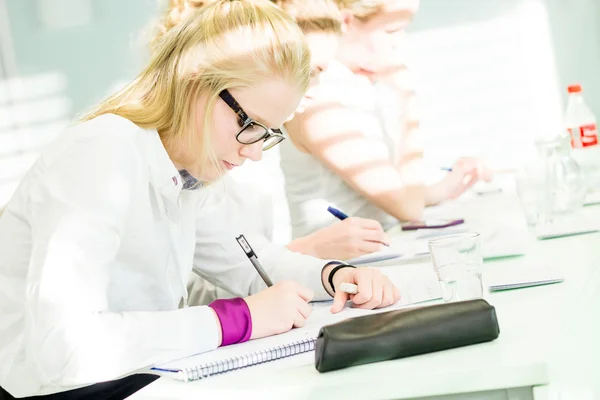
(500, 241)
(592, 198)
(568, 225)
(521, 276)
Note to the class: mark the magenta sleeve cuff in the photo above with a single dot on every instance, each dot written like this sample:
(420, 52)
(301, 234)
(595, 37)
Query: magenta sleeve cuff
(236, 322)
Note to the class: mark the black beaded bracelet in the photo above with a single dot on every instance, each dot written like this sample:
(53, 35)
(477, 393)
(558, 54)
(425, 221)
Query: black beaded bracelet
(334, 270)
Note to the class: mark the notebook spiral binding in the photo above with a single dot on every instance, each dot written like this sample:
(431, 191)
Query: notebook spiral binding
(247, 360)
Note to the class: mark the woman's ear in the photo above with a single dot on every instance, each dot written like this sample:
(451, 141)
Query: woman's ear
(348, 21)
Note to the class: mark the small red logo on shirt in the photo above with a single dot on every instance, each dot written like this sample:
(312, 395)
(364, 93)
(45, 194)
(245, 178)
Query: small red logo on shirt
(175, 180)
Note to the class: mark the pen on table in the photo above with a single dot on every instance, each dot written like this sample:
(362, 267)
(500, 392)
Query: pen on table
(339, 214)
(254, 259)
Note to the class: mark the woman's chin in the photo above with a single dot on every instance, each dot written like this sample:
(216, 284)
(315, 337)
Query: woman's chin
(213, 175)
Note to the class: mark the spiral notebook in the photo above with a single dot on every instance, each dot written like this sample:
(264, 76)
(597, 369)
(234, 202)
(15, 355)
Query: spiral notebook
(296, 341)
(255, 352)
(238, 356)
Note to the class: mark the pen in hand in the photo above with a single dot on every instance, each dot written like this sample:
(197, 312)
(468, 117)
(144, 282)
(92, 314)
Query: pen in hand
(254, 259)
(494, 171)
(339, 214)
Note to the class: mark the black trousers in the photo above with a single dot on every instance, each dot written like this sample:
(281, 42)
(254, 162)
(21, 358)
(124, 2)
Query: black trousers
(112, 390)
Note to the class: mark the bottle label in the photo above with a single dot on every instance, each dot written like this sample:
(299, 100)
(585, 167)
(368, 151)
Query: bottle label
(584, 136)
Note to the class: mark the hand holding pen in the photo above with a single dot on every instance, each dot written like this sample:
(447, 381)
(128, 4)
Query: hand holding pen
(280, 307)
(352, 237)
(284, 305)
(473, 169)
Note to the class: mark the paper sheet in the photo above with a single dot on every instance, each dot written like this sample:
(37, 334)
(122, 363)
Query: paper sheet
(501, 241)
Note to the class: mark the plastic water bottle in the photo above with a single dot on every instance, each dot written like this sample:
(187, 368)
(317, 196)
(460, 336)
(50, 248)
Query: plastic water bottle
(581, 127)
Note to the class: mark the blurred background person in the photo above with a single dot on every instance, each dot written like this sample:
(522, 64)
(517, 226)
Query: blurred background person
(356, 146)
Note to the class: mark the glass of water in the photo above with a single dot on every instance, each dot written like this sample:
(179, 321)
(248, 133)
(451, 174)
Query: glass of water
(458, 264)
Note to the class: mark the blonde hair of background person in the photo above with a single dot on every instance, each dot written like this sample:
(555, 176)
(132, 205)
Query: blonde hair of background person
(99, 237)
(361, 9)
(320, 21)
(384, 186)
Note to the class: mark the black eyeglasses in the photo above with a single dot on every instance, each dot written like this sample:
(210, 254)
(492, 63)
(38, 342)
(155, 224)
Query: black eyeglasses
(252, 131)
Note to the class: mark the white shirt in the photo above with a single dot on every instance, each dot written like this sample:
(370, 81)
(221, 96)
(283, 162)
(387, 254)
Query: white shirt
(96, 247)
(231, 208)
(310, 186)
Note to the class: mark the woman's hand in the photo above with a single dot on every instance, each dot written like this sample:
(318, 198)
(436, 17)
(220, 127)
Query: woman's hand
(375, 290)
(343, 240)
(465, 173)
(279, 308)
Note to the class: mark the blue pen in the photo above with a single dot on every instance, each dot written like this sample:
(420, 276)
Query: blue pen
(495, 171)
(337, 213)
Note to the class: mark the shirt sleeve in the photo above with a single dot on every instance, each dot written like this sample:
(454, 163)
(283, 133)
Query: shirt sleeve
(220, 260)
(78, 209)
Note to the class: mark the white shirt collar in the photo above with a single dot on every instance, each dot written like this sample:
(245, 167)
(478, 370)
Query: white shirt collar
(162, 170)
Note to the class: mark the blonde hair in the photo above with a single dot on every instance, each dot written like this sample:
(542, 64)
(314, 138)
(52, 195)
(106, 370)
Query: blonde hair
(361, 9)
(227, 44)
(176, 11)
(310, 15)
(313, 15)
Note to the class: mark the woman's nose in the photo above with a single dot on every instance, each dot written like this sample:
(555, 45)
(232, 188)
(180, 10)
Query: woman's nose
(253, 151)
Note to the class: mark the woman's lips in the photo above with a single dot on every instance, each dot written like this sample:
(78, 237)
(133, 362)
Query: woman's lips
(229, 165)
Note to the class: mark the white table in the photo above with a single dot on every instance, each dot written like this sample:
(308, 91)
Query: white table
(548, 340)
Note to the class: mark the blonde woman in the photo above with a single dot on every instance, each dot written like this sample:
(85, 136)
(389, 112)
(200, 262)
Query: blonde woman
(356, 148)
(246, 211)
(321, 22)
(100, 234)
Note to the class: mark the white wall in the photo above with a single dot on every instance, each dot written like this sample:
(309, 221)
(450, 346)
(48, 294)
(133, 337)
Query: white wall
(488, 81)
(575, 30)
(94, 53)
(68, 53)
